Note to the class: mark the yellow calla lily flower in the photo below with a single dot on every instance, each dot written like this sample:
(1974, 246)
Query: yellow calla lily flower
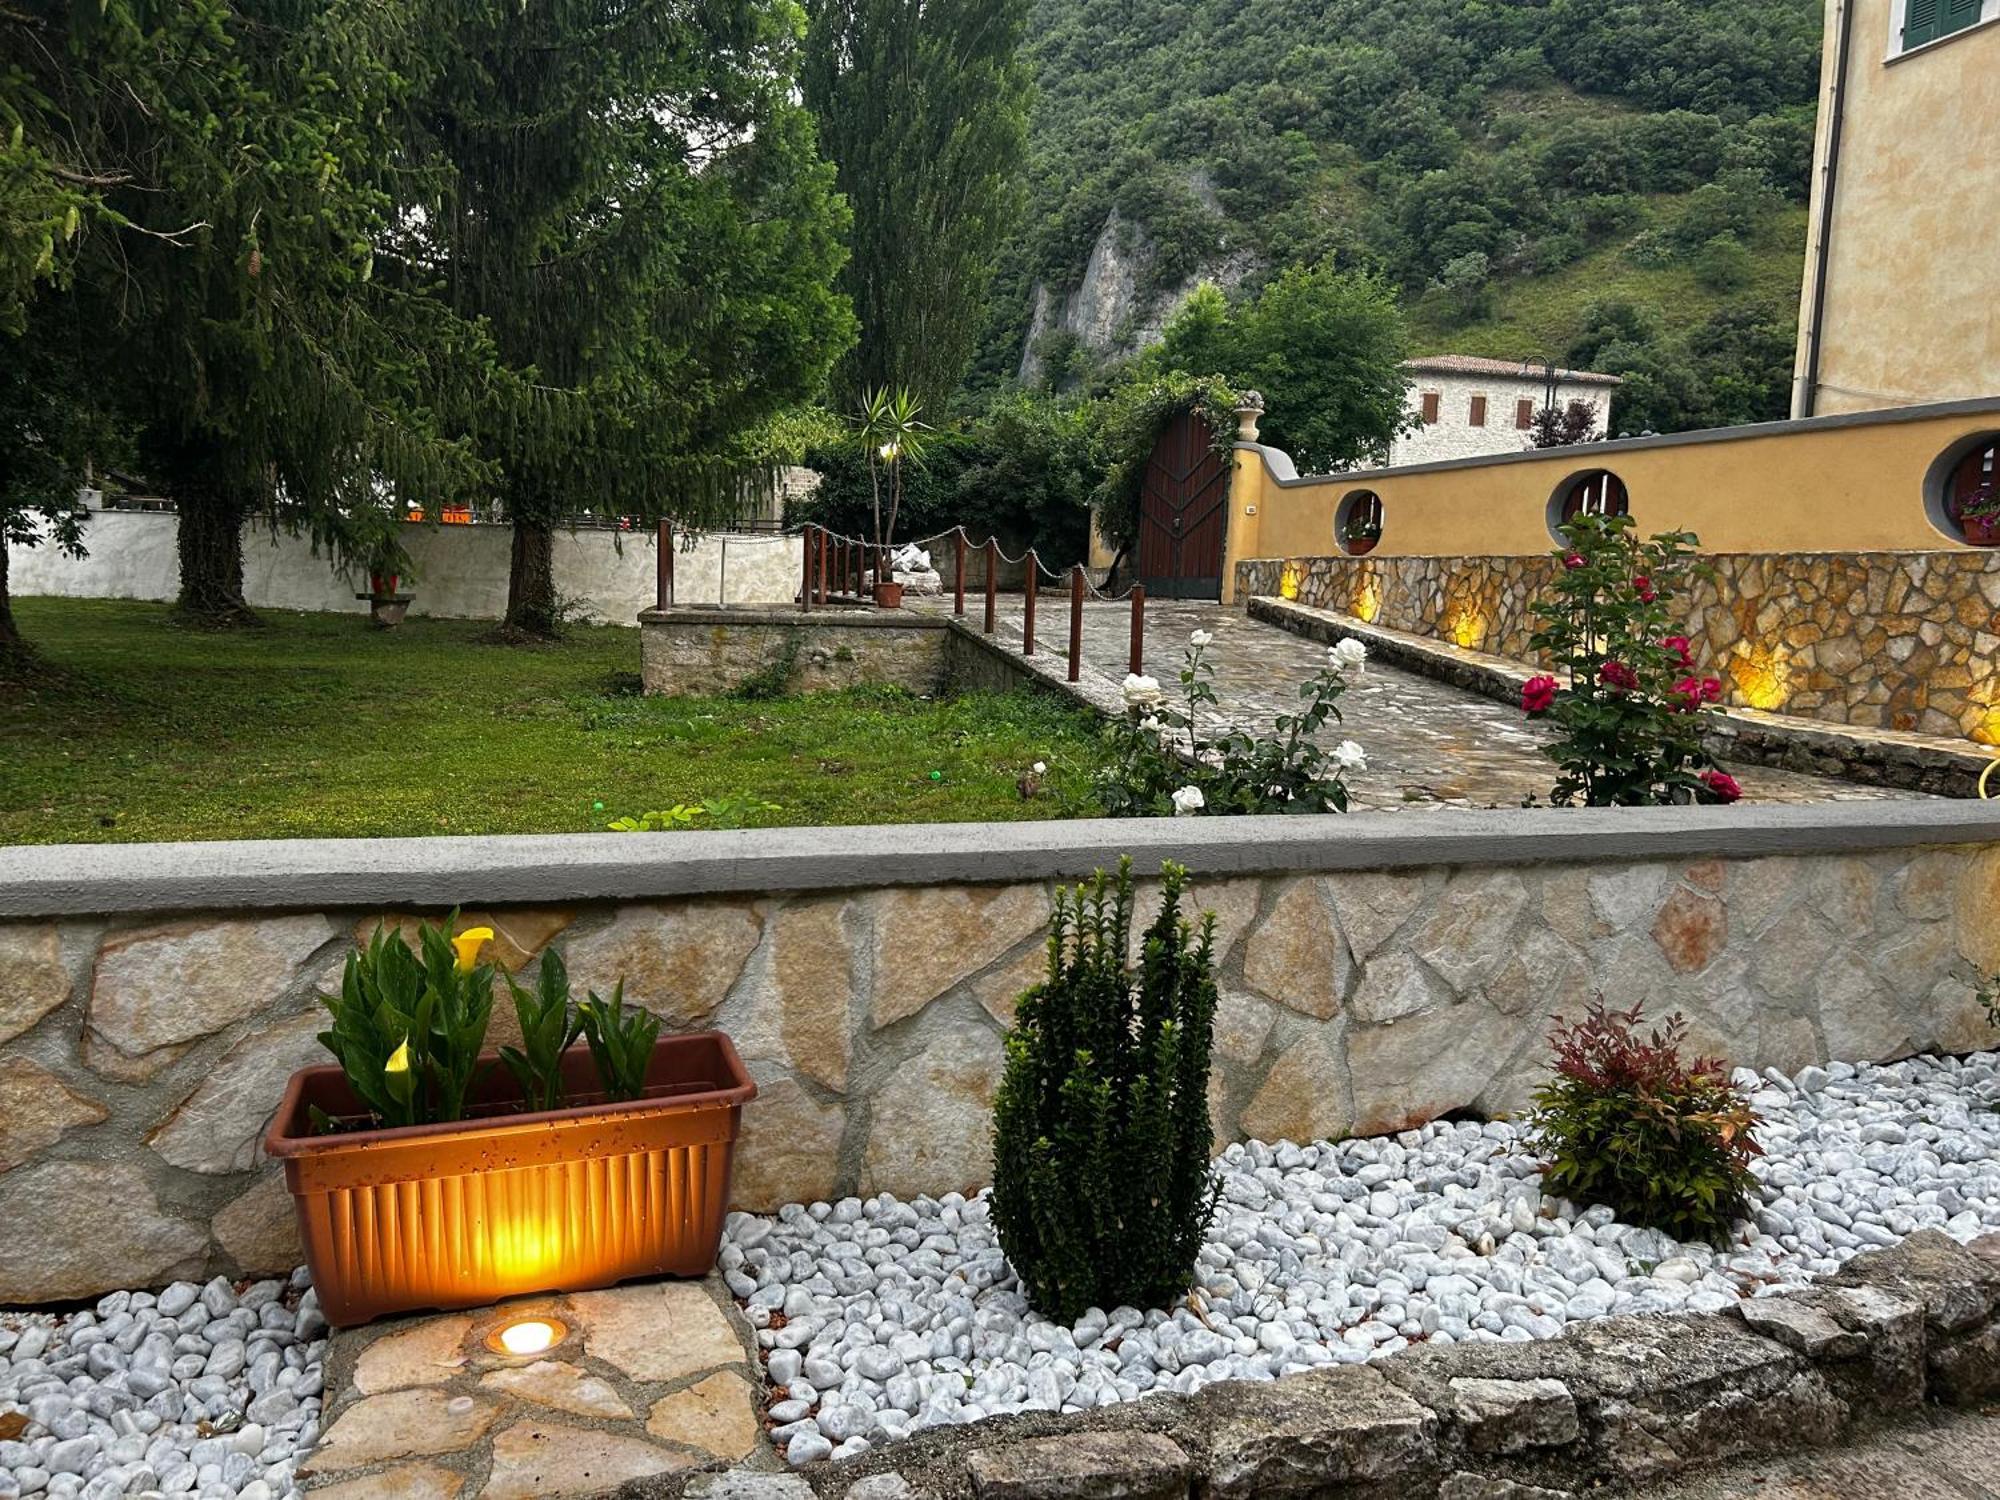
(468, 943)
(399, 1060)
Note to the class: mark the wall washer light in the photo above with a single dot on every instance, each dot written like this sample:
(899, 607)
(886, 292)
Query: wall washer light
(526, 1336)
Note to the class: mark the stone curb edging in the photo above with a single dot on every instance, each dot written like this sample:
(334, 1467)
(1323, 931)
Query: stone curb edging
(1876, 757)
(538, 869)
(1610, 1402)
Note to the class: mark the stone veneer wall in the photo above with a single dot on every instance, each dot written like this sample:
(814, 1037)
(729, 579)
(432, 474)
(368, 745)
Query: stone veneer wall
(703, 651)
(1376, 972)
(1893, 640)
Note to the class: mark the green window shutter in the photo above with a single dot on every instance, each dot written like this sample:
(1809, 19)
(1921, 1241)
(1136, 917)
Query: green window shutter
(1923, 21)
(1958, 14)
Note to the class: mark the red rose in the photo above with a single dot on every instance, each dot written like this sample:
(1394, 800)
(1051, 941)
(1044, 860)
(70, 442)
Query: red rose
(1711, 688)
(1682, 649)
(1615, 674)
(1721, 785)
(1572, 561)
(1538, 695)
(1687, 693)
(1643, 585)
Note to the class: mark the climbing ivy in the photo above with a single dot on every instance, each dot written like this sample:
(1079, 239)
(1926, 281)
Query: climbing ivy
(1134, 416)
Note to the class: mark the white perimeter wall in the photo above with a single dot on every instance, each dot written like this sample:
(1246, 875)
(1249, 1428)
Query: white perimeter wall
(461, 570)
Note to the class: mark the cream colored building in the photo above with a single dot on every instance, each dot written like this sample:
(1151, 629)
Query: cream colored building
(1901, 302)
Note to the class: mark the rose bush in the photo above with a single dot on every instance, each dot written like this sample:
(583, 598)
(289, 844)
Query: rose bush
(1170, 763)
(1631, 714)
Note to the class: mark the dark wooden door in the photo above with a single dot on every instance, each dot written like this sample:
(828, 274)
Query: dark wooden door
(1183, 508)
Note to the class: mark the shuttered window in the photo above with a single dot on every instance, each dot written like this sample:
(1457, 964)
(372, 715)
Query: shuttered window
(1430, 408)
(1927, 20)
(1524, 414)
(1478, 417)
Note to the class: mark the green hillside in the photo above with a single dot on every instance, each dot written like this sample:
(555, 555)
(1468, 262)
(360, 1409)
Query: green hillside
(1620, 182)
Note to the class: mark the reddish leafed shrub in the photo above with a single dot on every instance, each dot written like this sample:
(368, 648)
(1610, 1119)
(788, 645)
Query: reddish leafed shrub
(1628, 1121)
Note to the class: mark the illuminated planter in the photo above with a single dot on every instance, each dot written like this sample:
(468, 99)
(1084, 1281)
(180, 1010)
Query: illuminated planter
(503, 1203)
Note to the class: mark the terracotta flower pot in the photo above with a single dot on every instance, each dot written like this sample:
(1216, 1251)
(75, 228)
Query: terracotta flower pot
(505, 1202)
(1982, 531)
(888, 595)
(1360, 546)
(383, 584)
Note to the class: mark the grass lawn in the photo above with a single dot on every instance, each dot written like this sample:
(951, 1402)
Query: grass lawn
(319, 726)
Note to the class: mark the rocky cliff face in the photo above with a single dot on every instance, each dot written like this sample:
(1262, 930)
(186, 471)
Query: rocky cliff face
(1111, 311)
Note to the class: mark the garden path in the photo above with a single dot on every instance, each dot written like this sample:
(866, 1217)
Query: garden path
(1429, 744)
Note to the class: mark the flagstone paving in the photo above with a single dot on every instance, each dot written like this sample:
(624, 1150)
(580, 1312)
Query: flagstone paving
(1429, 744)
(648, 1381)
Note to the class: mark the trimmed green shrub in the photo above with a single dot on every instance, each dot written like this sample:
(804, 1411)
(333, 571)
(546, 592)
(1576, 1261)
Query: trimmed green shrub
(1626, 1121)
(1101, 1183)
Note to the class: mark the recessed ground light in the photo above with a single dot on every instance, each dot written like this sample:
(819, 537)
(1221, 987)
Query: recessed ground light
(527, 1336)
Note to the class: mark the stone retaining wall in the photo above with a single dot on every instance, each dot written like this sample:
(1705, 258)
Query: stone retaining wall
(1897, 640)
(1377, 972)
(708, 651)
(1612, 1402)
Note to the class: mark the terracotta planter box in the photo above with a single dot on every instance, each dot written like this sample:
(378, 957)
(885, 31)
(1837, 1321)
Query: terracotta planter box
(1982, 531)
(1360, 546)
(504, 1203)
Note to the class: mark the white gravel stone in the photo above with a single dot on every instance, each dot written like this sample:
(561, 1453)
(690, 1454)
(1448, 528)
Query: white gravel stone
(1336, 1253)
(193, 1391)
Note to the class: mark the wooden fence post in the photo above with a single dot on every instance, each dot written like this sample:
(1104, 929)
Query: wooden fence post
(992, 584)
(1138, 628)
(1076, 622)
(1028, 619)
(806, 583)
(664, 567)
(958, 572)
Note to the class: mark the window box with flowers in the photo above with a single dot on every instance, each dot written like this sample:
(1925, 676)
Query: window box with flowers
(1979, 517)
(427, 1172)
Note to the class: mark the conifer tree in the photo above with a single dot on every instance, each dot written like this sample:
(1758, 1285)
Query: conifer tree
(635, 208)
(923, 105)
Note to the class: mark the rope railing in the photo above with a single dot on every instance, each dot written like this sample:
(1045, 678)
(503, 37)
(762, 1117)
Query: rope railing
(835, 566)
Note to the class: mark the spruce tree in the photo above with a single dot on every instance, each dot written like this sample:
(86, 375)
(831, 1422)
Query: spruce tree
(923, 105)
(634, 207)
(233, 170)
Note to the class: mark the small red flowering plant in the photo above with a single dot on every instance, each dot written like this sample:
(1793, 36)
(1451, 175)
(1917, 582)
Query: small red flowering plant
(1629, 1121)
(1627, 697)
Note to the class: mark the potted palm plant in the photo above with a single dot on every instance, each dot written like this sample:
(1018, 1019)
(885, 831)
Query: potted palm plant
(890, 435)
(428, 1172)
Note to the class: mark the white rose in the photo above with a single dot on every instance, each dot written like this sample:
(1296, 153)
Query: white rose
(1040, 767)
(1141, 692)
(1349, 657)
(1350, 756)
(1151, 724)
(1188, 800)
(1200, 638)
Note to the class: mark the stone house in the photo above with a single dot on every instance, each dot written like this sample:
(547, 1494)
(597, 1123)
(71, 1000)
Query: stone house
(1470, 407)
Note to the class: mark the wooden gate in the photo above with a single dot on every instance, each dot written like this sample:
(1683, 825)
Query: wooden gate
(1183, 508)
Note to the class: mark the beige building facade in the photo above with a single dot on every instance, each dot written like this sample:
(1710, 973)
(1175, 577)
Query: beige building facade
(1467, 407)
(1901, 297)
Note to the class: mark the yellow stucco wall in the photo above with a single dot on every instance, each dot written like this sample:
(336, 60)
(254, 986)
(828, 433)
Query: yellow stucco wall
(1912, 310)
(1831, 486)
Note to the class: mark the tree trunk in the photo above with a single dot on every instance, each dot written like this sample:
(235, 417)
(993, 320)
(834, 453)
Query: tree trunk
(211, 552)
(531, 582)
(15, 657)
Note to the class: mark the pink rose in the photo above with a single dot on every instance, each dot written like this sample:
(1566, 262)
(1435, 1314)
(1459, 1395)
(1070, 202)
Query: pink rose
(1711, 688)
(1682, 649)
(1572, 561)
(1538, 695)
(1615, 674)
(1643, 586)
(1687, 694)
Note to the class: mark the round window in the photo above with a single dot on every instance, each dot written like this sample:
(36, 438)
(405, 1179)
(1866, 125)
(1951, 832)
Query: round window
(1972, 495)
(1358, 525)
(1598, 492)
